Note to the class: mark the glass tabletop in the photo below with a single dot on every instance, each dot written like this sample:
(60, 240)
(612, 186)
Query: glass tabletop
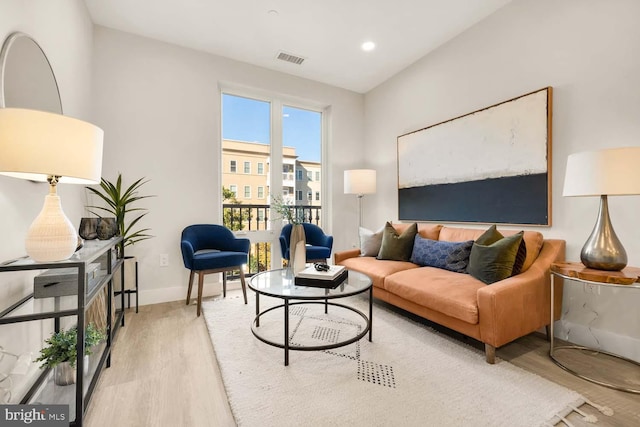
(280, 284)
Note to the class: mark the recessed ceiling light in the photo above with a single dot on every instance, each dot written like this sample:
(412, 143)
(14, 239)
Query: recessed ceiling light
(368, 46)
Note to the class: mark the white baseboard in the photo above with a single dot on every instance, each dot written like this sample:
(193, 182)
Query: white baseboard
(179, 293)
(599, 339)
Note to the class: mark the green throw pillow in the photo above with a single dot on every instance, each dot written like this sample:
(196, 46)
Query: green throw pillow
(397, 247)
(492, 235)
(494, 262)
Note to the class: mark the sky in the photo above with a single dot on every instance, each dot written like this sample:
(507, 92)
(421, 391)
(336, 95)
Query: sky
(247, 119)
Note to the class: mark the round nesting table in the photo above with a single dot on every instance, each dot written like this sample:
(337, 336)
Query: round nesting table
(280, 284)
(576, 273)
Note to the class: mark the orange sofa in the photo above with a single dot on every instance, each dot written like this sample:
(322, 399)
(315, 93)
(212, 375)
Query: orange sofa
(494, 314)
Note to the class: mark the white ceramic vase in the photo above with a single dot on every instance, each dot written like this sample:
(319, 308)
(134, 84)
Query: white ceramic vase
(296, 256)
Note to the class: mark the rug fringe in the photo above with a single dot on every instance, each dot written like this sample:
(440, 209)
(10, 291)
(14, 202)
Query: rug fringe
(561, 416)
(604, 409)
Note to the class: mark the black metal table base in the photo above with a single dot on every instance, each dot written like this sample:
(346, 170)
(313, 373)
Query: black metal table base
(285, 306)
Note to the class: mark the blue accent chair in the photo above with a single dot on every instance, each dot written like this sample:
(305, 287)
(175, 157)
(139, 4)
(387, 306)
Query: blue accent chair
(210, 248)
(318, 247)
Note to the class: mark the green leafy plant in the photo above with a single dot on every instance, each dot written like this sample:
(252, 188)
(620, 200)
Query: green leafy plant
(119, 201)
(286, 211)
(62, 346)
(234, 218)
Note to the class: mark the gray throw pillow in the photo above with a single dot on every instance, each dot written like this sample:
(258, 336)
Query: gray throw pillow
(370, 241)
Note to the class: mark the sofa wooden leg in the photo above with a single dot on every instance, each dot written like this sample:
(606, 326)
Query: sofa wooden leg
(490, 353)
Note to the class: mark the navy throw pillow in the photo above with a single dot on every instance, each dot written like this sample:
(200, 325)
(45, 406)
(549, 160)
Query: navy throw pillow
(452, 256)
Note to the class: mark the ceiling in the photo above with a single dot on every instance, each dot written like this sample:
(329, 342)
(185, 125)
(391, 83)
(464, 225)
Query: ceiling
(327, 33)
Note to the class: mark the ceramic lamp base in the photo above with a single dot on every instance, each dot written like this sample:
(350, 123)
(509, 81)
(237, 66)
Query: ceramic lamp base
(51, 236)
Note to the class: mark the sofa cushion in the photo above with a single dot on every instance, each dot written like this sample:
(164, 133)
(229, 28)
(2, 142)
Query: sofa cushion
(428, 231)
(397, 247)
(453, 234)
(494, 262)
(449, 293)
(492, 235)
(534, 241)
(370, 241)
(376, 269)
(452, 256)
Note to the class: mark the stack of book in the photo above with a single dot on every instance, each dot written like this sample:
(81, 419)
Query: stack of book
(322, 279)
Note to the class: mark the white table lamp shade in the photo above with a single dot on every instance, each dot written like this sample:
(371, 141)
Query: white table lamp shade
(360, 181)
(39, 146)
(36, 144)
(612, 172)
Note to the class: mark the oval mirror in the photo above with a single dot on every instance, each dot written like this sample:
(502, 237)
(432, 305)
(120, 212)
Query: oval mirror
(26, 77)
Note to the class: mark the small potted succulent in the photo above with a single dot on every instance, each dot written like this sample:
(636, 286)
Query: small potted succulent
(61, 352)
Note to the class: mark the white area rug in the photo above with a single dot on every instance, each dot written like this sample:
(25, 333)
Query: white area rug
(409, 375)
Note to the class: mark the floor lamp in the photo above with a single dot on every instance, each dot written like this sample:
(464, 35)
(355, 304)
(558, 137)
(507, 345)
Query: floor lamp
(360, 182)
(53, 148)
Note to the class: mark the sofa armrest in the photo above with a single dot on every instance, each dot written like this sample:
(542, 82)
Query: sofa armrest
(338, 257)
(519, 305)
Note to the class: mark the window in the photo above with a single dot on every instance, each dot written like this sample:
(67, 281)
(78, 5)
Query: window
(309, 195)
(260, 214)
(299, 175)
(247, 191)
(247, 167)
(285, 191)
(317, 176)
(299, 195)
(317, 195)
(234, 189)
(232, 166)
(260, 192)
(260, 168)
(310, 175)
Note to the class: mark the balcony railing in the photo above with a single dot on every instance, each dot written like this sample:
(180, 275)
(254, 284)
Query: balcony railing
(239, 217)
(256, 217)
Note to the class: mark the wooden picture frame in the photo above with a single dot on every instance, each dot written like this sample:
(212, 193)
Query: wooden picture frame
(489, 166)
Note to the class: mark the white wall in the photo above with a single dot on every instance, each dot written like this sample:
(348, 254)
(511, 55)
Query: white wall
(588, 51)
(159, 105)
(64, 31)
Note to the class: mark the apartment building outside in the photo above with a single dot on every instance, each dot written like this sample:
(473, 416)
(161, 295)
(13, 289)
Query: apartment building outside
(245, 172)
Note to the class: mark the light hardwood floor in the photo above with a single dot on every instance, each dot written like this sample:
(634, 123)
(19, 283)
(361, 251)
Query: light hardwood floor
(164, 373)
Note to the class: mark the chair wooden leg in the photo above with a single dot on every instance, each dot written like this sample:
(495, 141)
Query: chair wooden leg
(224, 284)
(200, 285)
(490, 353)
(244, 286)
(548, 329)
(191, 273)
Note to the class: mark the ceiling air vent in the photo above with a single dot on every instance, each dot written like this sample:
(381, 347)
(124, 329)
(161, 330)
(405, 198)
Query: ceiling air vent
(290, 58)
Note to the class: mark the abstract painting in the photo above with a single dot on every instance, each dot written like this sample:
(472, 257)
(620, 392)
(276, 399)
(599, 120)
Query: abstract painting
(489, 166)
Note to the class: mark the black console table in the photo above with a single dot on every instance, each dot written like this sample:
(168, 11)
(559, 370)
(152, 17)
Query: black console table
(43, 390)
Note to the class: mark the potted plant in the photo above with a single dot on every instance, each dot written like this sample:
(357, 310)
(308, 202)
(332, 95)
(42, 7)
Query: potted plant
(120, 202)
(61, 352)
(297, 239)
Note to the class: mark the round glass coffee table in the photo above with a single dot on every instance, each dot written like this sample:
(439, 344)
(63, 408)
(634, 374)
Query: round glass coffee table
(280, 284)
